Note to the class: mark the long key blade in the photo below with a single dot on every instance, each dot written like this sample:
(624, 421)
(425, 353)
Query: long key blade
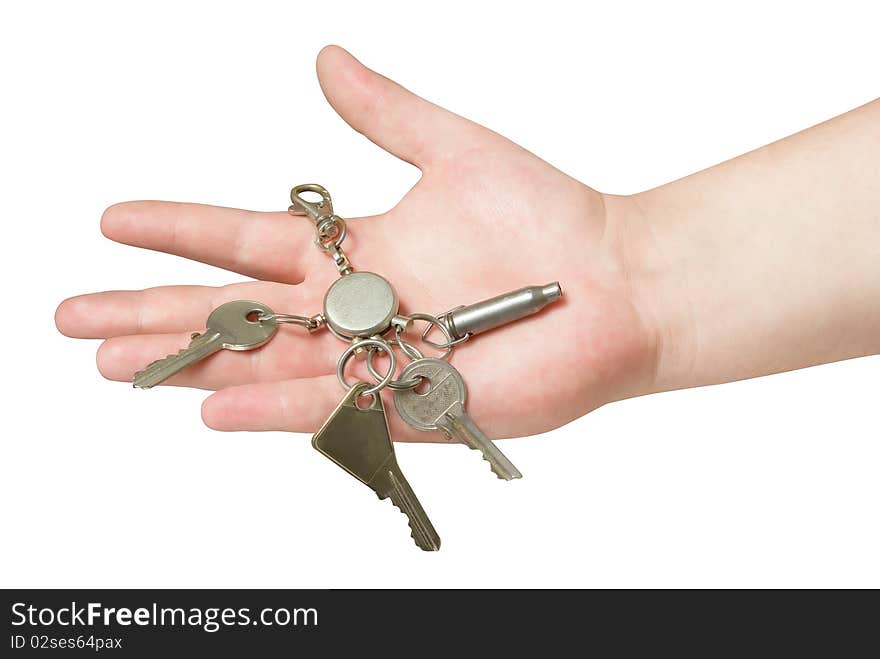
(390, 482)
(160, 370)
(459, 425)
(358, 441)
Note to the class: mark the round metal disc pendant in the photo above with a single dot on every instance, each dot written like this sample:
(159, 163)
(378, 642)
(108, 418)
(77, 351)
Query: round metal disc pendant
(360, 304)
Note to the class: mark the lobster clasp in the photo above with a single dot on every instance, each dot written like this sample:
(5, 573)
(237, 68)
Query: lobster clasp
(314, 209)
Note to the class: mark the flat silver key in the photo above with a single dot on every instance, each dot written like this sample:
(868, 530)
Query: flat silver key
(441, 407)
(357, 439)
(231, 326)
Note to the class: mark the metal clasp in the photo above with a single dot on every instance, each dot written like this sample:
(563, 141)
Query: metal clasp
(329, 227)
(316, 210)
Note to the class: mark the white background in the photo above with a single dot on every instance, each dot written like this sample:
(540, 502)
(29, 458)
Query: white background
(769, 482)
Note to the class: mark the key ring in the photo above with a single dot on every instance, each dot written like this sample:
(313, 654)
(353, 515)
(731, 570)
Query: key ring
(444, 319)
(406, 347)
(325, 238)
(396, 384)
(343, 360)
(435, 322)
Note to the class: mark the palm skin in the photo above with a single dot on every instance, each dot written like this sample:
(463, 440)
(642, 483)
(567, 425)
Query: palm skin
(486, 217)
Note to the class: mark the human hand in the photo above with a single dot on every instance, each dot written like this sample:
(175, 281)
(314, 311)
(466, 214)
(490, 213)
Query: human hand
(485, 218)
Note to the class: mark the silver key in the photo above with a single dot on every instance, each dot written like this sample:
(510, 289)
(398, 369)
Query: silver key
(233, 326)
(442, 407)
(358, 441)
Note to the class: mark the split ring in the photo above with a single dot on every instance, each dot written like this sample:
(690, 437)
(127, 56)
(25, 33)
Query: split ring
(397, 384)
(433, 320)
(345, 356)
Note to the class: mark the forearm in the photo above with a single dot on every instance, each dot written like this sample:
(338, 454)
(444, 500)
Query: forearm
(765, 263)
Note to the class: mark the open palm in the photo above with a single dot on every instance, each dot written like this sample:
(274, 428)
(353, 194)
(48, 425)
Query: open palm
(486, 217)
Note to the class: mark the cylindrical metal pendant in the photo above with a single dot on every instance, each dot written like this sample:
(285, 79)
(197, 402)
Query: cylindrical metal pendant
(497, 311)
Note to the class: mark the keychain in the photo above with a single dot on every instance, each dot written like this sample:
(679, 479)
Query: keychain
(362, 310)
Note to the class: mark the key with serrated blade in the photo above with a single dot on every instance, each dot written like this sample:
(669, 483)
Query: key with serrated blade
(357, 439)
(231, 326)
(441, 407)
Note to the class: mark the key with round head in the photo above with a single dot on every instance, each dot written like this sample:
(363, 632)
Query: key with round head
(441, 407)
(357, 439)
(231, 326)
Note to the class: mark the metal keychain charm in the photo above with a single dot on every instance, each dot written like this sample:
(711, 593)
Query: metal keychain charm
(360, 304)
(464, 321)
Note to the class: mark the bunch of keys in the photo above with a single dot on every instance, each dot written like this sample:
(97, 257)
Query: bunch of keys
(362, 309)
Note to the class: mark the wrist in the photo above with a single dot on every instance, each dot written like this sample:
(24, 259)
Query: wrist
(658, 287)
(730, 293)
(762, 264)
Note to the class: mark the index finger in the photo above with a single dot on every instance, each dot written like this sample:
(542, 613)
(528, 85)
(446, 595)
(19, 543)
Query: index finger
(270, 246)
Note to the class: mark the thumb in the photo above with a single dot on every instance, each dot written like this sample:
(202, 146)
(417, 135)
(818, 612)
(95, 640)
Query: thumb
(400, 122)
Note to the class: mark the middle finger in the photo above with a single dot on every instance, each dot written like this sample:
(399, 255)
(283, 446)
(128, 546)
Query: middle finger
(168, 309)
